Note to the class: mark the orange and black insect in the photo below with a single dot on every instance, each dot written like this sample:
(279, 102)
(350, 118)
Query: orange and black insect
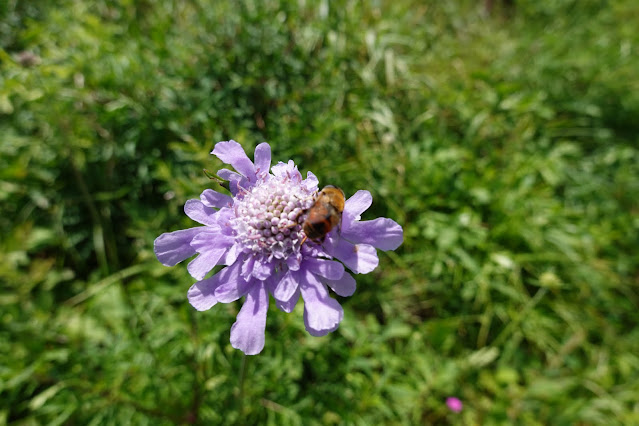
(324, 214)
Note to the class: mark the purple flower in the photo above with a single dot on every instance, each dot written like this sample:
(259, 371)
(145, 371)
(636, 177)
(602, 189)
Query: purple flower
(257, 233)
(454, 404)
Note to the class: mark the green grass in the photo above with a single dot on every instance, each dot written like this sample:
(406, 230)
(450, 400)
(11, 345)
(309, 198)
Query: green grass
(505, 145)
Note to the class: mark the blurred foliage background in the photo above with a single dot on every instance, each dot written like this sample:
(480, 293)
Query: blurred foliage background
(503, 140)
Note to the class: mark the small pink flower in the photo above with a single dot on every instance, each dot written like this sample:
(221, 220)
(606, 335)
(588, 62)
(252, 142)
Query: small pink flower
(454, 404)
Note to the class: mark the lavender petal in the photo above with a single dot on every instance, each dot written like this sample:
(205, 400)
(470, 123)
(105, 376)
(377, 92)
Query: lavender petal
(359, 258)
(326, 268)
(215, 199)
(236, 180)
(232, 286)
(345, 286)
(293, 262)
(288, 170)
(247, 334)
(173, 247)
(231, 255)
(262, 159)
(201, 265)
(287, 287)
(211, 238)
(382, 233)
(229, 175)
(247, 267)
(232, 153)
(262, 270)
(355, 206)
(224, 217)
(311, 182)
(201, 295)
(197, 211)
(290, 305)
(322, 314)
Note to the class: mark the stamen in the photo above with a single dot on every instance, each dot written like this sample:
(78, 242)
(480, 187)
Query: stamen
(269, 216)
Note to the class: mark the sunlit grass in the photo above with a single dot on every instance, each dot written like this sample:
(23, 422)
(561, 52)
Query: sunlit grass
(505, 144)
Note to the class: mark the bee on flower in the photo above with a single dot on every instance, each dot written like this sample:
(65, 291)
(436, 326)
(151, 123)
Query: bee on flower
(324, 214)
(278, 236)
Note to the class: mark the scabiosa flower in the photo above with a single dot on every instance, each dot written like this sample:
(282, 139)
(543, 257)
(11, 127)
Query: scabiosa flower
(257, 233)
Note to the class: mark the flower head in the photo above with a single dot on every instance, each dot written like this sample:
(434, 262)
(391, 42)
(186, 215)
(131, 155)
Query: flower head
(257, 233)
(454, 404)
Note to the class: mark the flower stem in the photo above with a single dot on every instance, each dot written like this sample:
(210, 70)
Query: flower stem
(241, 385)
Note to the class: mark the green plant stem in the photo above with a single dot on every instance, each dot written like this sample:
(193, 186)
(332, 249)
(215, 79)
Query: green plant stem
(241, 385)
